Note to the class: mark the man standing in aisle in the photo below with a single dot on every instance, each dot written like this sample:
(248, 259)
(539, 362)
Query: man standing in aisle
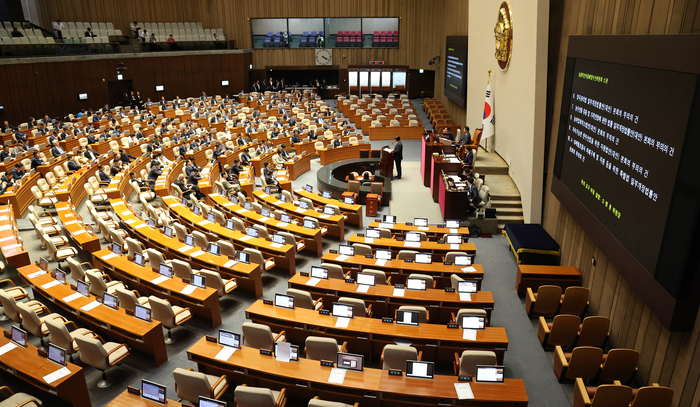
(398, 155)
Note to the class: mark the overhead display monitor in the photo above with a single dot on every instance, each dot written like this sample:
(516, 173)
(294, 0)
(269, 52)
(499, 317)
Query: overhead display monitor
(399, 80)
(456, 69)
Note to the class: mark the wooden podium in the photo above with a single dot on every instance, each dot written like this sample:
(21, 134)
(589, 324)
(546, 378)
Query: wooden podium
(386, 162)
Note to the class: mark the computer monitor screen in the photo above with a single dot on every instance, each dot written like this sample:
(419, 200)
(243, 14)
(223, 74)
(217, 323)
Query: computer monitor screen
(165, 270)
(57, 354)
(286, 218)
(268, 191)
(189, 240)
(168, 231)
(229, 224)
(407, 318)
(466, 287)
(350, 361)
(389, 219)
(490, 374)
(304, 205)
(383, 254)
(205, 401)
(195, 209)
(341, 310)
(252, 232)
(454, 239)
(420, 222)
(83, 288)
(309, 224)
(214, 249)
(365, 278)
(473, 322)
(198, 281)
(142, 313)
(328, 210)
(319, 272)
(373, 233)
(60, 276)
(230, 339)
(153, 392)
(423, 370)
(309, 188)
(110, 301)
(279, 239)
(248, 206)
(19, 336)
(349, 200)
(412, 237)
(452, 223)
(284, 301)
(265, 212)
(138, 259)
(423, 258)
(283, 198)
(346, 250)
(151, 222)
(116, 248)
(243, 257)
(293, 352)
(462, 260)
(326, 194)
(416, 284)
(211, 217)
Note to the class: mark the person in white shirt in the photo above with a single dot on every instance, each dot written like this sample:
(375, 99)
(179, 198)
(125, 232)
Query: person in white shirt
(58, 29)
(145, 36)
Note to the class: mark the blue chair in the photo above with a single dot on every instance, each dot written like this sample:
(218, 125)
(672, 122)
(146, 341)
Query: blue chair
(305, 33)
(321, 32)
(277, 42)
(302, 43)
(269, 33)
(313, 33)
(266, 44)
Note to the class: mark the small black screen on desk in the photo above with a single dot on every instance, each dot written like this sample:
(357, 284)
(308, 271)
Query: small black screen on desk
(456, 70)
(621, 148)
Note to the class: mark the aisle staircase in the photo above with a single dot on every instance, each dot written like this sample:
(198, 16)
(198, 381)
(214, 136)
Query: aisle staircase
(505, 197)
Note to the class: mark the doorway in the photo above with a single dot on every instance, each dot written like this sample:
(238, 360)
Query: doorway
(117, 89)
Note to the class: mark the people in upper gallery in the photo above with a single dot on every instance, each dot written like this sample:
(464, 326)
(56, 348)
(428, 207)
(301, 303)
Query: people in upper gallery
(89, 34)
(145, 35)
(58, 28)
(57, 150)
(134, 29)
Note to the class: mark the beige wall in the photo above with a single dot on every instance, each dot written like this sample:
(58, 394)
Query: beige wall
(519, 92)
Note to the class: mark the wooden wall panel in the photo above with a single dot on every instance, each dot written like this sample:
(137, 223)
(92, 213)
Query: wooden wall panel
(52, 88)
(668, 358)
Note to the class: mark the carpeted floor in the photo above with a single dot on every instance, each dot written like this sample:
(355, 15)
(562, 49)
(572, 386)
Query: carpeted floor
(525, 357)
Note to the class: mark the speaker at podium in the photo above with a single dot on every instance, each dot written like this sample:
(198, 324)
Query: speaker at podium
(386, 162)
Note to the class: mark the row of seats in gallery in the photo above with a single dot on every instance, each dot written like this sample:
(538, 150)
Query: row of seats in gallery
(181, 31)
(600, 378)
(78, 29)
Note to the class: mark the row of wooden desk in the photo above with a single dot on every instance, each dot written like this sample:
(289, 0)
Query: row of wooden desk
(372, 387)
(331, 155)
(11, 245)
(438, 250)
(352, 211)
(433, 232)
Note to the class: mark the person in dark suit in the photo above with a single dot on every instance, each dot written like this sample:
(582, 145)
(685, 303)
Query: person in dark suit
(72, 165)
(183, 149)
(472, 195)
(295, 137)
(193, 181)
(91, 139)
(125, 157)
(20, 135)
(43, 129)
(312, 135)
(466, 138)
(180, 182)
(104, 177)
(337, 142)
(262, 87)
(57, 150)
(270, 179)
(18, 171)
(469, 158)
(154, 173)
(90, 154)
(5, 153)
(236, 168)
(245, 158)
(398, 155)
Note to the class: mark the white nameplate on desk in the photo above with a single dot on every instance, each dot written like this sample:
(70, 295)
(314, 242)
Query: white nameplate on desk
(36, 274)
(204, 223)
(369, 240)
(276, 245)
(337, 376)
(58, 374)
(77, 232)
(142, 225)
(72, 297)
(385, 225)
(264, 195)
(90, 306)
(197, 253)
(324, 216)
(230, 263)
(185, 248)
(225, 353)
(278, 203)
(159, 280)
(71, 222)
(464, 391)
(263, 219)
(130, 221)
(342, 322)
(109, 256)
(175, 205)
(7, 347)
(380, 262)
(126, 213)
(398, 292)
(3, 218)
(12, 246)
(50, 284)
(282, 224)
(300, 209)
(242, 210)
(465, 297)
(341, 257)
(362, 288)
(454, 247)
(424, 228)
(469, 269)
(455, 231)
(5, 239)
(312, 281)
(411, 244)
(469, 334)
(246, 238)
(227, 204)
(189, 289)
(5, 227)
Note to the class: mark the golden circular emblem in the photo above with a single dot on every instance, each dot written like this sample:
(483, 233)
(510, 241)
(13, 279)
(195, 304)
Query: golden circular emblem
(504, 36)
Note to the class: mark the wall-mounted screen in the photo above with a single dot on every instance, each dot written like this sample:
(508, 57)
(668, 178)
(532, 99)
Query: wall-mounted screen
(160, 88)
(374, 80)
(364, 81)
(456, 69)
(224, 83)
(386, 80)
(82, 96)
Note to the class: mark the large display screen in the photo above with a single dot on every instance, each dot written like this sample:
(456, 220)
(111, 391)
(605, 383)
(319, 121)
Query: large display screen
(456, 70)
(622, 148)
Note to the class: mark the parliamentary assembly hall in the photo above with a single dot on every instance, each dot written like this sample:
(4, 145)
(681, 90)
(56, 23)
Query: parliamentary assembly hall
(350, 203)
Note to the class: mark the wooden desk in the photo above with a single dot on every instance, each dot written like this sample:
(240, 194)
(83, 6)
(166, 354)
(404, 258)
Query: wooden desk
(388, 133)
(535, 276)
(440, 304)
(145, 336)
(368, 336)
(334, 223)
(202, 302)
(26, 364)
(20, 198)
(431, 230)
(342, 153)
(86, 241)
(312, 237)
(248, 276)
(452, 201)
(372, 387)
(399, 270)
(284, 256)
(438, 165)
(310, 146)
(353, 211)
(127, 399)
(297, 166)
(427, 150)
(439, 250)
(11, 245)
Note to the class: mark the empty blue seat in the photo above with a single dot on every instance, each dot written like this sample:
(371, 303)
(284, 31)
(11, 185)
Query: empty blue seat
(313, 33)
(269, 33)
(306, 33)
(321, 33)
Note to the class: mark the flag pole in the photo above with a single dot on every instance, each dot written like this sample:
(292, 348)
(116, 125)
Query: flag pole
(486, 141)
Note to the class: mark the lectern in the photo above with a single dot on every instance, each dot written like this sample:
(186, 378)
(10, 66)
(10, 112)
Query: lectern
(386, 162)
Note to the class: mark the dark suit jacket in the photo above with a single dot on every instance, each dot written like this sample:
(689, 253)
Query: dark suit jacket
(154, 174)
(36, 162)
(73, 166)
(57, 151)
(398, 151)
(469, 159)
(90, 155)
(103, 176)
